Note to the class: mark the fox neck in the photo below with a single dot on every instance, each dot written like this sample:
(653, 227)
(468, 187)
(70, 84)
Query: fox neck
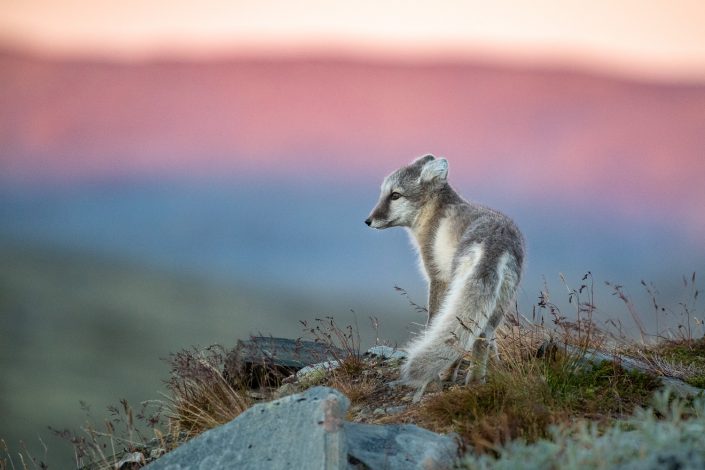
(426, 223)
(423, 226)
(426, 220)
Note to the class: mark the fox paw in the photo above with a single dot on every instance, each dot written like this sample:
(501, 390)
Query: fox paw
(413, 374)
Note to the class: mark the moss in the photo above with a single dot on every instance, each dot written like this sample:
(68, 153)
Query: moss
(696, 381)
(690, 353)
(524, 400)
(313, 378)
(687, 352)
(603, 388)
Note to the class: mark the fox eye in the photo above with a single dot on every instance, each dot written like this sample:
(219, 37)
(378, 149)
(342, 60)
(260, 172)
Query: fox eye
(394, 196)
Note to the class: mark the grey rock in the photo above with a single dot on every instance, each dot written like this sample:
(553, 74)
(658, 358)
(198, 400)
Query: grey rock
(393, 410)
(294, 432)
(130, 460)
(389, 410)
(321, 367)
(264, 360)
(156, 452)
(398, 447)
(285, 390)
(682, 388)
(307, 430)
(386, 352)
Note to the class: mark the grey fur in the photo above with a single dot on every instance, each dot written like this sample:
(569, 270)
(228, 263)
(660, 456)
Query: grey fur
(472, 256)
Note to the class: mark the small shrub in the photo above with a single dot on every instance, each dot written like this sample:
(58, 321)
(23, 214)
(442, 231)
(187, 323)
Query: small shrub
(342, 343)
(200, 396)
(523, 400)
(488, 415)
(344, 346)
(671, 434)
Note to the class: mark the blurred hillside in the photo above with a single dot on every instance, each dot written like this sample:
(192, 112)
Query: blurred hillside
(76, 327)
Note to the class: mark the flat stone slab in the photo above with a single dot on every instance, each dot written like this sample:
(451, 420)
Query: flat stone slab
(307, 431)
(398, 447)
(295, 432)
(291, 353)
(265, 360)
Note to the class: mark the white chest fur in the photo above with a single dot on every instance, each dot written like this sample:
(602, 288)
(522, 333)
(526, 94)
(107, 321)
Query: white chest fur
(417, 249)
(444, 248)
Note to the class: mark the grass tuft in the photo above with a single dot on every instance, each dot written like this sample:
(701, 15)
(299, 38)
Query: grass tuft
(686, 357)
(353, 375)
(201, 397)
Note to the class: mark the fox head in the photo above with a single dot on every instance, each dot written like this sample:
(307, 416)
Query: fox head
(405, 192)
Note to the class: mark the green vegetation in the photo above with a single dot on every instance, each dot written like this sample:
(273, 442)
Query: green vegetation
(670, 434)
(689, 355)
(524, 399)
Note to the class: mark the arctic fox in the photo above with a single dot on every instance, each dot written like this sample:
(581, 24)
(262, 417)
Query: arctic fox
(472, 257)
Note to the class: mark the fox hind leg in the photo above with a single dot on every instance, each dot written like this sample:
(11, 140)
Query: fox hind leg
(477, 373)
(486, 343)
(491, 331)
(494, 352)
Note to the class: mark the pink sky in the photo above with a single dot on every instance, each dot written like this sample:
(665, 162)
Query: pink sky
(635, 145)
(655, 38)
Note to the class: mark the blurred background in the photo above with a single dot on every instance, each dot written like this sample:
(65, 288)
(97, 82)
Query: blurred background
(178, 173)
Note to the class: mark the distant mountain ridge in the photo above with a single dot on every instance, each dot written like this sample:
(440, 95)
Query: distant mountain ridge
(533, 132)
(232, 112)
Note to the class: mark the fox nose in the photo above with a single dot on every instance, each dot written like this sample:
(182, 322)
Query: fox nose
(368, 222)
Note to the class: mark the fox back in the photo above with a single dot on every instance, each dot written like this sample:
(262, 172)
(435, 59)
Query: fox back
(471, 256)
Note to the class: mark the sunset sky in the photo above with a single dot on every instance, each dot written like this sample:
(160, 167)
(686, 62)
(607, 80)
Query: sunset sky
(626, 144)
(654, 39)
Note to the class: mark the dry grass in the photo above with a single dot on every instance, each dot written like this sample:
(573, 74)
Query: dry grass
(352, 376)
(356, 386)
(25, 459)
(201, 397)
(342, 344)
(682, 358)
(101, 447)
(677, 347)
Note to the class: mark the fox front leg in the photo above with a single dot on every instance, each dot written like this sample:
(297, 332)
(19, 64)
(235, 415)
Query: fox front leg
(436, 293)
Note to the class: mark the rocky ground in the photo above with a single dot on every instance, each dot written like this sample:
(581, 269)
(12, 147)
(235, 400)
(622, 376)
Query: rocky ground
(219, 404)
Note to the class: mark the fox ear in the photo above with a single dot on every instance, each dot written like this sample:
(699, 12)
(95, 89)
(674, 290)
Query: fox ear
(421, 161)
(434, 169)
